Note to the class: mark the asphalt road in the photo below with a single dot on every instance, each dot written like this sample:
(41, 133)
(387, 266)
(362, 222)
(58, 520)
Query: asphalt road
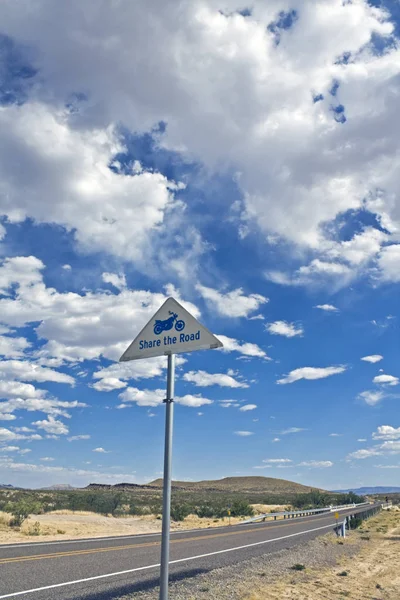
(107, 568)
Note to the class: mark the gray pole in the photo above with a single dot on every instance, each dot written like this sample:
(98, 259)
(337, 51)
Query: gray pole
(166, 513)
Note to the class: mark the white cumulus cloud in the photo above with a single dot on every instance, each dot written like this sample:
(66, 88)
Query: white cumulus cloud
(386, 432)
(372, 358)
(386, 379)
(285, 329)
(156, 398)
(243, 348)
(247, 407)
(232, 304)
(51, 425)
(204, 379)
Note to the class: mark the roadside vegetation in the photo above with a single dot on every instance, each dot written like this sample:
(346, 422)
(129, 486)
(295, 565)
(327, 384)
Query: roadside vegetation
(201, 503)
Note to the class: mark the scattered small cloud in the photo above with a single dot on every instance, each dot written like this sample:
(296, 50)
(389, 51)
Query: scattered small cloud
(335, 434)
(364, 453)
(243, 433)
(362, 440)
(277, 461)
(316, 464)
(327, 307)
(108, 384)
(101, 451)
(311, 373)
(47, 459)
(75, 438)
(285, 329)
(245, 349)
(372, 358)
(204, 379)
(386, 380)
(248, 407)
(372, 397)
(291, 430)
(276, 440)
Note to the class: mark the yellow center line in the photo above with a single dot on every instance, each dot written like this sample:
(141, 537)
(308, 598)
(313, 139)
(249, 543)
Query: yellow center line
(17, 559)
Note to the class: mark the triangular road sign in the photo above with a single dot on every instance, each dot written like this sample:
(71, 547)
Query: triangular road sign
(172, 330)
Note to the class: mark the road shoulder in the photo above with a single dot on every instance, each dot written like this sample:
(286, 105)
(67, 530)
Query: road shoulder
(369, 556)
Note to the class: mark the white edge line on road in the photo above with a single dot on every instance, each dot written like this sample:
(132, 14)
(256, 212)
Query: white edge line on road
(172, 562)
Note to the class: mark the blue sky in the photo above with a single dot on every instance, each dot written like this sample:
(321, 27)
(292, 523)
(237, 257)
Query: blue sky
(242, 159)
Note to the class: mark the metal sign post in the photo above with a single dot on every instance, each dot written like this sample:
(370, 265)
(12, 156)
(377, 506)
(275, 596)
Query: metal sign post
(171, 331)
(166, 513)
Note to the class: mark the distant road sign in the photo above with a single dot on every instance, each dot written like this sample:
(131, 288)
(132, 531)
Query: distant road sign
(172, 330)
(336, 515)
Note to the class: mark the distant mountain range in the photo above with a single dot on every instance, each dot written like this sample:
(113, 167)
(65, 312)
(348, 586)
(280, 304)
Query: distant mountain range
(6, 486)
(371, 490)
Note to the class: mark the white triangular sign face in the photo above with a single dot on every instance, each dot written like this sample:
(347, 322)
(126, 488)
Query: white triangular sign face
(172, 330)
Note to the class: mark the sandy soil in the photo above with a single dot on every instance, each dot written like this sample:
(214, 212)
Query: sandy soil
(61, 525)
(372, 574)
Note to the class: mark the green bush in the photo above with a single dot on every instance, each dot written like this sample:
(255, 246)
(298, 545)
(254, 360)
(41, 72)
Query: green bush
(180, 511)
(205, 511)
(298, 567)
(241, 508)
(355, 522)
(21, 511)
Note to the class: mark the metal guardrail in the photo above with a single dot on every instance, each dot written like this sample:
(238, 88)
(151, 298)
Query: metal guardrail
(302, 513)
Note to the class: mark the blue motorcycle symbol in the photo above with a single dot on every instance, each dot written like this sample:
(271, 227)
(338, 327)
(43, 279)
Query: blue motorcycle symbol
(160, 326)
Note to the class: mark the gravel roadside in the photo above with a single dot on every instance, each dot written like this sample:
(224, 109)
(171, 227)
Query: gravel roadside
(233, 582)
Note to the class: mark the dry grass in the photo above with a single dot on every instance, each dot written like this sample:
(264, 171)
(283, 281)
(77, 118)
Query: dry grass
(373, 574)
(66, 524)
(260, 509)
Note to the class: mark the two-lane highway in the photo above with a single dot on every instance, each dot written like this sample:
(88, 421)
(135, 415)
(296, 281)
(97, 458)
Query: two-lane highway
(105, 568)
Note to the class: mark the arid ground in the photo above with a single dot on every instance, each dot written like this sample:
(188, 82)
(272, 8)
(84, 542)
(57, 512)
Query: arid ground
(371, 574)
(60, 525)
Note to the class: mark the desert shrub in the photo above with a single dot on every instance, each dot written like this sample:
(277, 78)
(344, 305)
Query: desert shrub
(205, 511)
(34, 529)
(21, 511)
(180, 511)
(355, 522)
(241, 508)
(298, 567)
